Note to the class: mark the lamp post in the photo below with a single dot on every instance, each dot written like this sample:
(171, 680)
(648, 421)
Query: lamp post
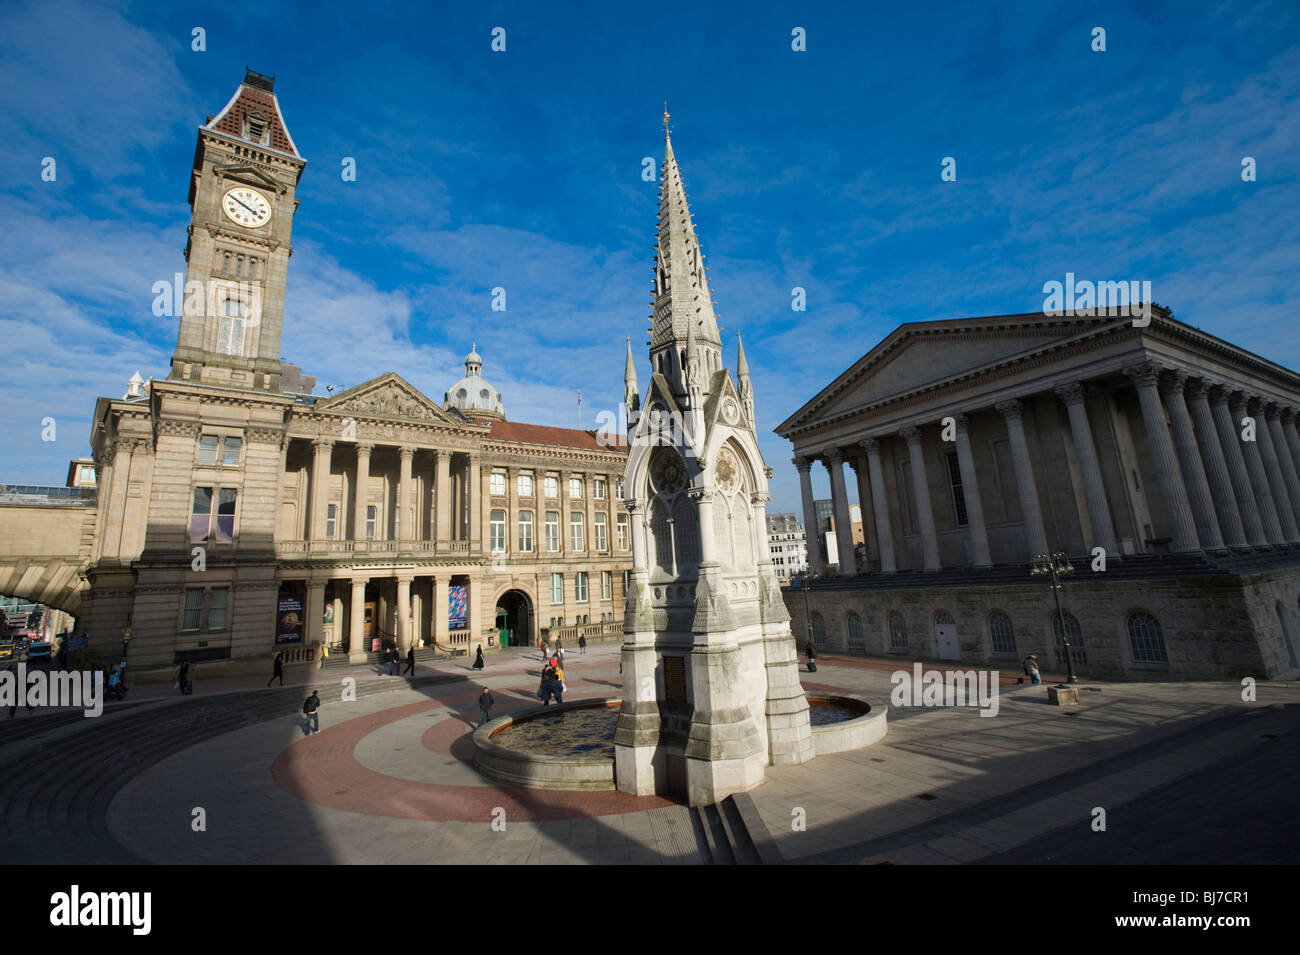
(807, 616)
(1057, 566)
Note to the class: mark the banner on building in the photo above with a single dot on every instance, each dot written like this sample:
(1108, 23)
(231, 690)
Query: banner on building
(457, 604)
(289, 618)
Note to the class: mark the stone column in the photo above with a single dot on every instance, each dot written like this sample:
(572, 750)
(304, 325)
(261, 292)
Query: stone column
(1189, 458)
(970, 491)
(840, 507)
(406, 499)
(1292, 436)
(921, 492)
(1216, 468)
(361, 492)
(1094, 489)
(475, 497)
(635, 522)
(320, 473)
(357, 621)
(1230, 444)
(441, 630)
(315, 611)
(1273, 471)
(1179, 511)
(870, 541)
(1030, 513)
(804, 465)
(403, 613)
(1255, 468)
(1273, 413)
(442, 513)
(888, 563)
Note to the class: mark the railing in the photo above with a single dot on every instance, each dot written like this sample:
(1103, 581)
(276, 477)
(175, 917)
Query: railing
(74, 496)
(603, 630)
(333, 548)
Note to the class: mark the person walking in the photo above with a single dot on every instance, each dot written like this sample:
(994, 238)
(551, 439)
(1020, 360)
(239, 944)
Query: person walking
(485, 703)
(410, 661)
(13, 710)
(559, 655)
(557, 686)
(544, 688)
(478, 660)
(812, 657)
(1031, 669)
(180, 677)
(582, 644)
(309, 707)
(189, 678)
(278, 670)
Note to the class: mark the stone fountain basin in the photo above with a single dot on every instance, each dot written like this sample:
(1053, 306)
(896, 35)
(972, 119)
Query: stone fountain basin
(535, 771)
(870, 727)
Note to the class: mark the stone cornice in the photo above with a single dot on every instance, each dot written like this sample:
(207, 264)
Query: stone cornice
(177, 427)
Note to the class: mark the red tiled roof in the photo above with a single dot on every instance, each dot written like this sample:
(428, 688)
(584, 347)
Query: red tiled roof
(248, 99)
(544, 434)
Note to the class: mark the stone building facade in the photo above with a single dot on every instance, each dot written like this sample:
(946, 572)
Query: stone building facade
(238, 514)
(788, 546)
(1164, 461)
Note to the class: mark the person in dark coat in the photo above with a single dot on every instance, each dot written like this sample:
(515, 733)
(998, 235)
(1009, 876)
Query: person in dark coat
(410, 661)
(309, 707)
(278, 673)
(812, 657)
(582, 643)
(181, 677)
(485, 702)
(478, 659)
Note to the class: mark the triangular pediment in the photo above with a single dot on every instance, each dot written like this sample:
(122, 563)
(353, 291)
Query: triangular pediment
(389, 396)
(249, 174)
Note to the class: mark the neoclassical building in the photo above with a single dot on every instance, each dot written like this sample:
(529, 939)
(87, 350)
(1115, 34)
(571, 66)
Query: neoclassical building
(1162, 460)
(238, 513)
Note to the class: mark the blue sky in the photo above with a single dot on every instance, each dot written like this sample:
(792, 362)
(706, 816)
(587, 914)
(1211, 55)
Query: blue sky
(522, 169)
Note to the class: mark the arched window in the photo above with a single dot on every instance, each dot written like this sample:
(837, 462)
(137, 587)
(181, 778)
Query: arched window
(461, 395)
(944, 619)
(857, 641)
(1146, 639)
(897, 631)
(818, 631)
(1002, 636)
(1076, 639)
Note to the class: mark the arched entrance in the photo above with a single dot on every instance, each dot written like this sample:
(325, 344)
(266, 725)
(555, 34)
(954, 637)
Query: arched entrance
(514, 619)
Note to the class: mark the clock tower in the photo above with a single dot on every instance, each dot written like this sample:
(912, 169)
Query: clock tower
(242, 192)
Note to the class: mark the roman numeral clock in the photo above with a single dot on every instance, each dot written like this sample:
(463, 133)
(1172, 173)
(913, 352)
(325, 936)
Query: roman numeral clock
(246, 207)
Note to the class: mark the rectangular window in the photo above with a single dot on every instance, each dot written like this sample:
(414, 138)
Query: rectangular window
(627, 581)
(954, 481)
(525, 485)
(497, 538)
(602, 542)
(623, 535)
(201, 515)
(552, 531)
(497, 483)
(525, 532)
(193, 608)
(575, 488)
(575, 531)
(331, 520)
(230, 450)
(372, 518)
(606, 585)
(226, 513)
(208, 448)
(598, 489)
(552, 487)
(219, 599)
(557, 588)
(230, 335)
(580, 587)
(618, 488)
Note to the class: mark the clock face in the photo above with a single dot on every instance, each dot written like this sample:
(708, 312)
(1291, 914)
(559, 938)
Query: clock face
(246, 207)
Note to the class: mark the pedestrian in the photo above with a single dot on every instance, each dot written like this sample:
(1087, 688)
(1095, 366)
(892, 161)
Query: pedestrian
(478, 660)
(812, 657)
(545, 650)
(559, 677)
(559, 653)
(543, 688)
(278, 673)
(485, 704)
(410, 660)
(189, 678)
(582, 644)
(180, 677)
(13, 710)
(1031, 669)
(557, 687)
(309, 708)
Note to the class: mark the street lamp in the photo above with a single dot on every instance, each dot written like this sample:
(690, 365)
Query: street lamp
(808, 576)
(1057, 566)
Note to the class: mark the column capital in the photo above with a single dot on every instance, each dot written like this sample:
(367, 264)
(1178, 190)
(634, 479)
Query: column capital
(407, 453)
(1172, 382)
(365, 447)
(1072, 393)
(1144, 374)
(1272, 411)
(1218, 393)
(322, 444)
(911, 434)
(1237, 400)
(1011, 409)
(962, 421)
(757, 499)
(1288, 415)
(835, 457)
(870, 445)
(802, 463)
(632, 506)
(1198, 388)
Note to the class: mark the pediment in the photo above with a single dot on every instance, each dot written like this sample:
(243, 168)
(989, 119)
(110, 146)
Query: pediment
(389, 396)
(249, 174)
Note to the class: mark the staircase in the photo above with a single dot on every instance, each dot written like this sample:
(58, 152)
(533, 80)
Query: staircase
(339, 658)
(733, 835)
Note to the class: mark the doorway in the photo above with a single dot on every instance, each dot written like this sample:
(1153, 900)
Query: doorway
(514, 619)
(946, 635)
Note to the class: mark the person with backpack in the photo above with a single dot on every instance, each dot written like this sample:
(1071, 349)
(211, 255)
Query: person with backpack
(582, 644)
(485, 703)
(309, 709)
(278, 671)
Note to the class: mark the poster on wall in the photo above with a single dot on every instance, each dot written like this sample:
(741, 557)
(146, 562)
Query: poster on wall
(457, 601)
(289, 618)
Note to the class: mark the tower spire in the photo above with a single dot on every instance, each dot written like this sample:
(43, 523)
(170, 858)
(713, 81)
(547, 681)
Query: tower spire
(631, 399)
(743, 383)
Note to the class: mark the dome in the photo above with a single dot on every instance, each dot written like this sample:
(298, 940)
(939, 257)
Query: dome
(472, 395)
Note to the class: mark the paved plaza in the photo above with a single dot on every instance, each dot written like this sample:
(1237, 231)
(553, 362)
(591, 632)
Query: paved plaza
(1184, 773)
